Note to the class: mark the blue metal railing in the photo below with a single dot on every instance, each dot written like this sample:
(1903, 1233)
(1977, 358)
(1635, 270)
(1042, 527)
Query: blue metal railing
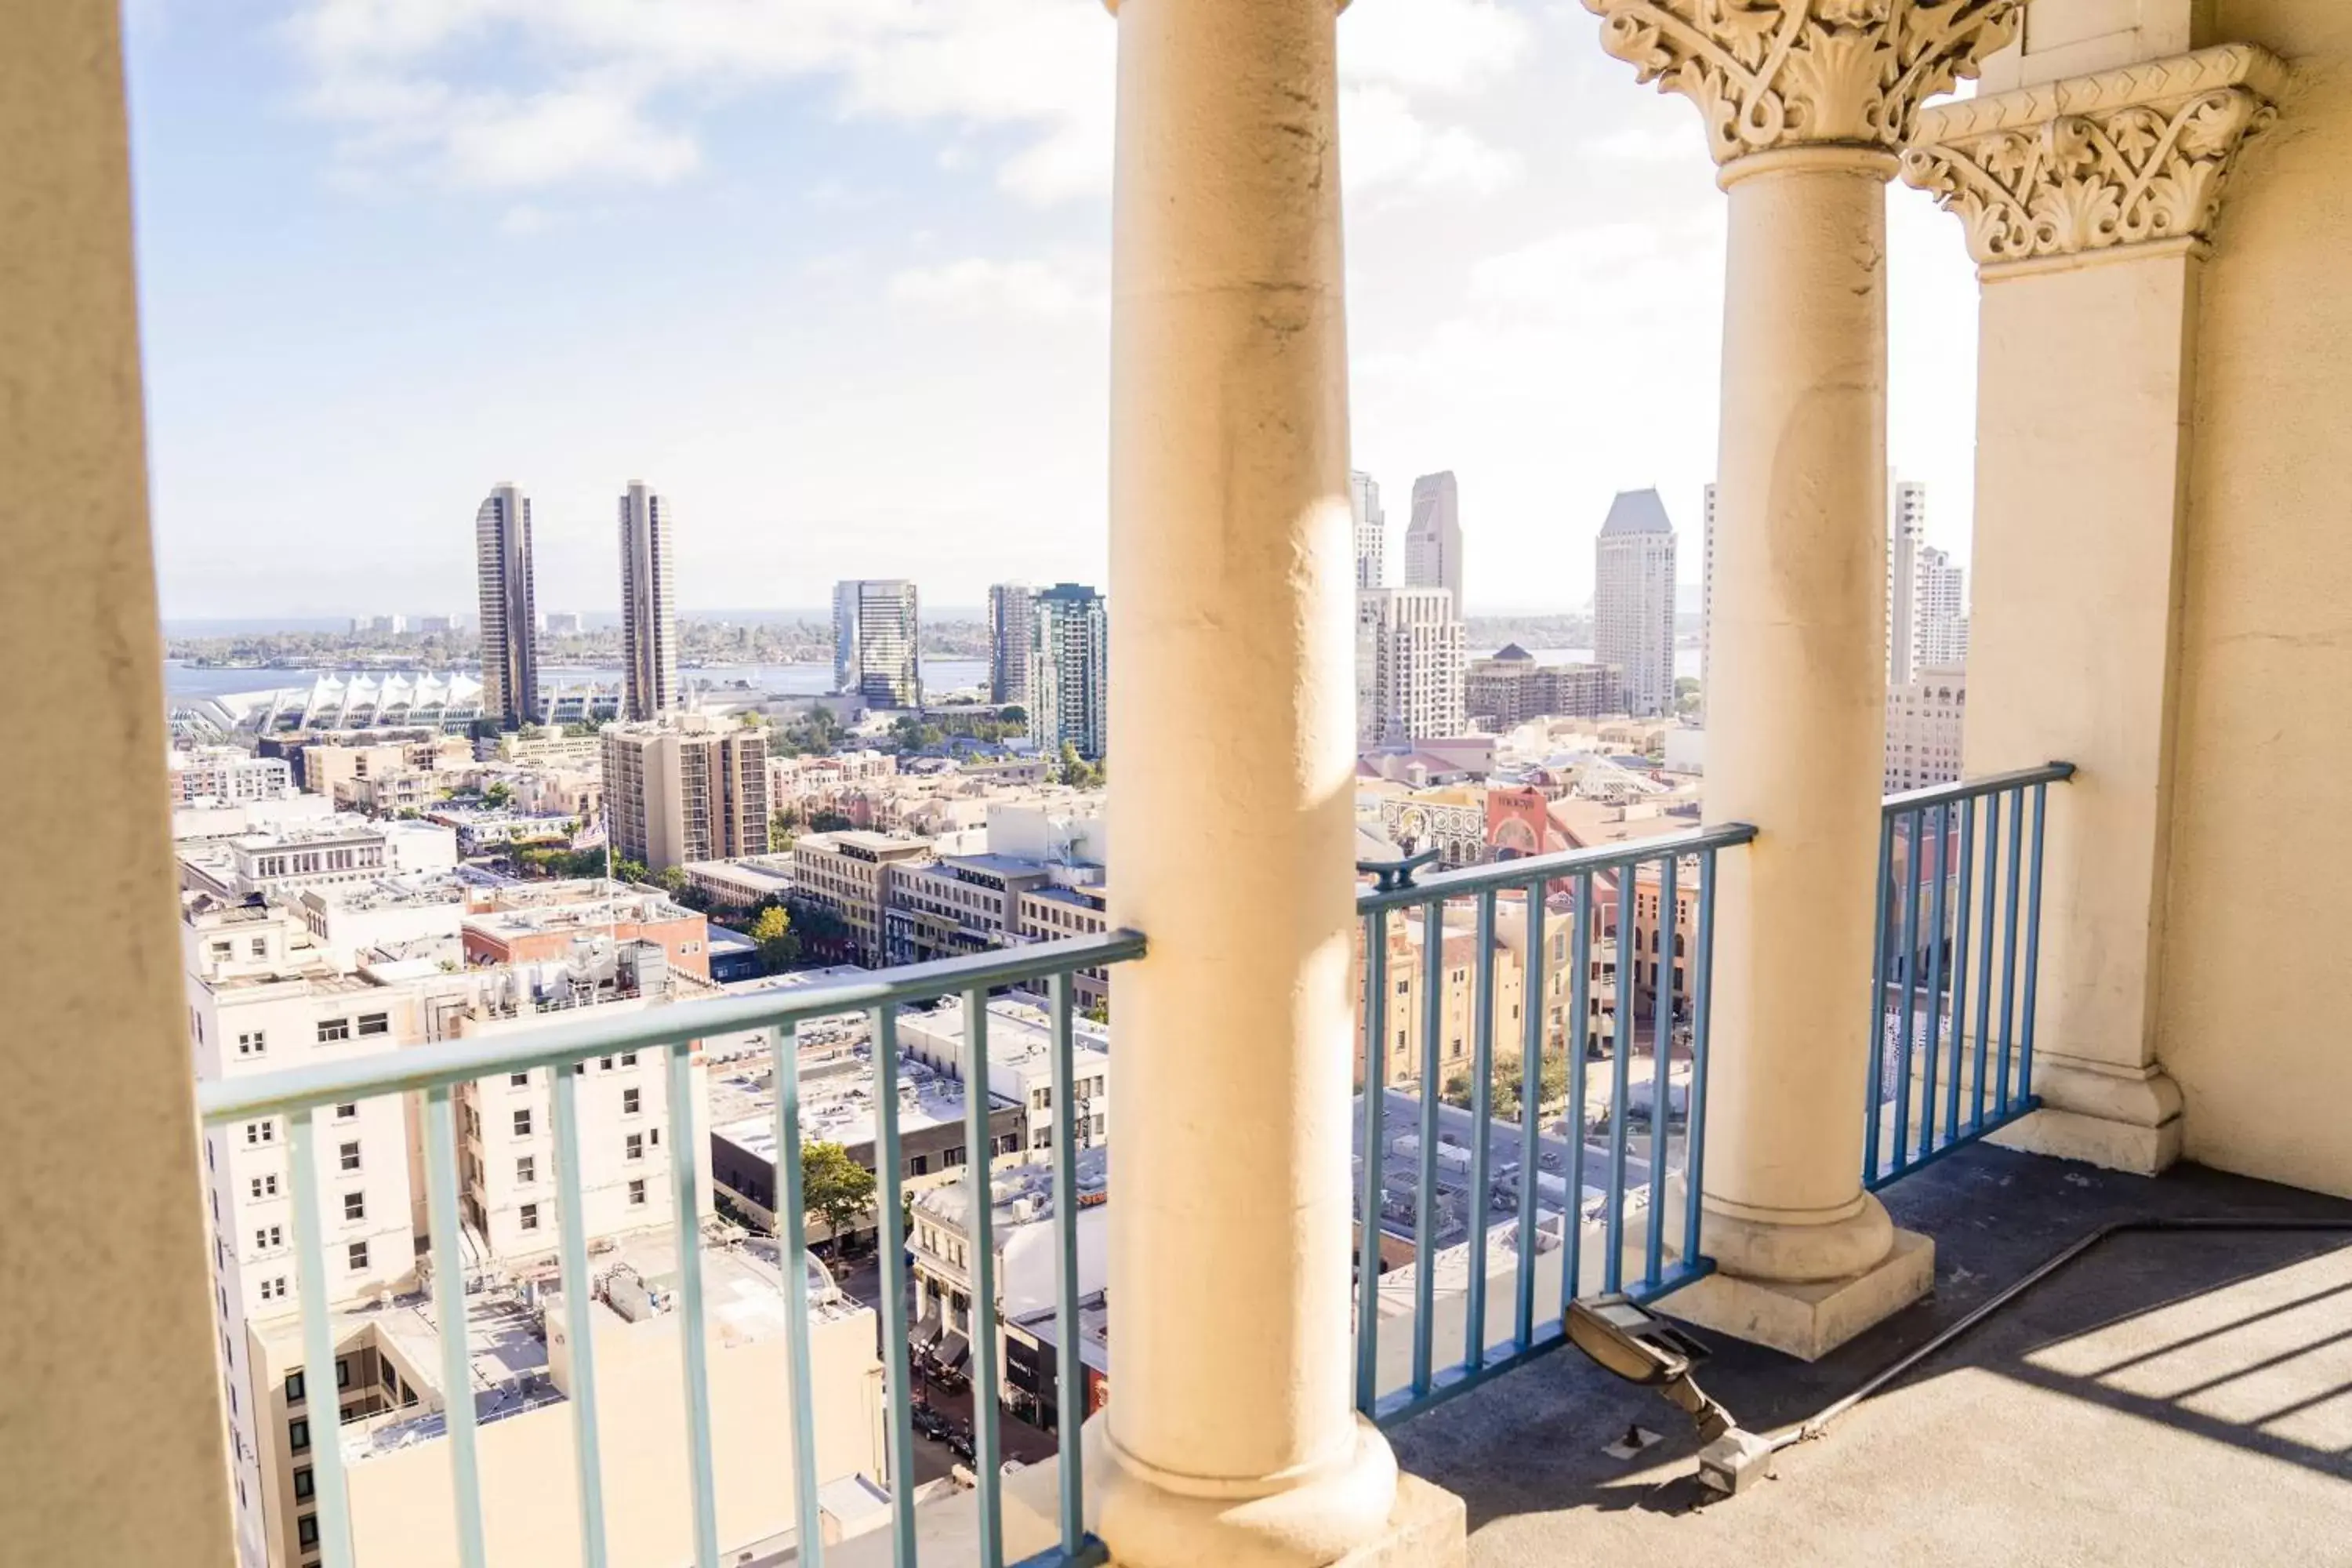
(1452, 1160)
(434, 1071)
(1951, 895)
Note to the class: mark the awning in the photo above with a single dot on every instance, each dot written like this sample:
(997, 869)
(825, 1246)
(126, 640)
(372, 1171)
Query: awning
(926, 1330)
(954, 1350)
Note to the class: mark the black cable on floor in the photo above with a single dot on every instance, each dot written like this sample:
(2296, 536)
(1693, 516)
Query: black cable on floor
(1814, 1425)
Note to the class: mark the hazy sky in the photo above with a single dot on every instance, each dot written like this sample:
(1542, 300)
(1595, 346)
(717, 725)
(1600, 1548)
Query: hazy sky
(830, 274)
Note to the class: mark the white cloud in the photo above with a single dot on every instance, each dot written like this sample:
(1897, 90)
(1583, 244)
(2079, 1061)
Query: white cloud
(976, 286)
(610, 89)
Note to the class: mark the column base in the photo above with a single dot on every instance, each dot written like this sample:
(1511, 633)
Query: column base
(1810, 1319)
(2119, 1119)
(1357, 1511)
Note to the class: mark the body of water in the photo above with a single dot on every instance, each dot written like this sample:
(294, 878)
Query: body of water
(184, 683)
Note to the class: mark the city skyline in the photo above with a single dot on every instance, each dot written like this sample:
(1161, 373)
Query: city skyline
(335, 306)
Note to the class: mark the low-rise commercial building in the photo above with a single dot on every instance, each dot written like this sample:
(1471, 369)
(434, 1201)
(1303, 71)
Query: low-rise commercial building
(1027, 1253)
(226, 775)
(1021, 1065)
(538, 922)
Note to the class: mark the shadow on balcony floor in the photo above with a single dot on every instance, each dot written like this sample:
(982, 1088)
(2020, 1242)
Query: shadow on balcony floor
(2181, 1398)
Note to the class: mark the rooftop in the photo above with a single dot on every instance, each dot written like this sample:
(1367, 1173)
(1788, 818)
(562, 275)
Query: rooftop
(1021, 1194)
(2167, 1398)
(1636, 511)
(837, 1103)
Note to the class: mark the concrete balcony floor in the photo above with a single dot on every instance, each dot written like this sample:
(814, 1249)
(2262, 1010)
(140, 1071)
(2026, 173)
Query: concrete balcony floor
(2166, 1398)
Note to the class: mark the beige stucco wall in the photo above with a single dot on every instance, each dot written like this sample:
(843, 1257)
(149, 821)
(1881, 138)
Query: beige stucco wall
(111, 1452)
(2251, 1018)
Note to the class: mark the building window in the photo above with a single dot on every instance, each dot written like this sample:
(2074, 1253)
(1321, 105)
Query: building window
(637, 1191)
(517, 1079)
(628, 1058)
(354, 1206)
(522, 1123)
(918, 1165)
(632, 1101)
(347, 1112)
(274, 1290)
(297, 1435)
(332, 1029)
(605, 1064)
(305, 1530)
(526, 1171)
(302, 1483)
(221, 950)
(264, 1186)
(261, 1132)
(350, 1156)
(294, 1385)
(375, 1023)
(269, 1237)
(529, 1214)
(636, 1146)
(953, 1158)
(253, 1043)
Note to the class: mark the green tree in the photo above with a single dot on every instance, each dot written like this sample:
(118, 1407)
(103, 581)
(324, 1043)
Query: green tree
(830, 822)
(498, 795)
(835, 1188)
(1100, 1012)
(779, 944)
(630, 870)
(671, 879)
(1014, 714)
(1078, 771)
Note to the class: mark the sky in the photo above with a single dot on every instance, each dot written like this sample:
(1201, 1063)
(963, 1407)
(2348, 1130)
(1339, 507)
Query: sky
(831, 276)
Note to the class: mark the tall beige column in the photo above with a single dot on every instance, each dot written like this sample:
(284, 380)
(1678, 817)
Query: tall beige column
(1232, 1439)
(113, 1441)
(1805, 102)
(2090, 201)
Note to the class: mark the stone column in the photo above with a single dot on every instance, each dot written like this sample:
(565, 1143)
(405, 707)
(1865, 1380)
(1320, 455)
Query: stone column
(1233, 1437)
(2090, 205)
(1805, 102)
(117, 1437)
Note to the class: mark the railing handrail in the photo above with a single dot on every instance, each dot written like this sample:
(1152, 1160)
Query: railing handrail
(1975, 788)
(575, 1040)
(1464, 881)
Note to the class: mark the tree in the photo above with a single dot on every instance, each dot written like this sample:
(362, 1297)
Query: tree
(779, 944)
(630, 870)
(830, 822)
(835, 1188)
(498, 795)
(1077, 772)
(671, 879)
(1099, 1012)
(1014, 714)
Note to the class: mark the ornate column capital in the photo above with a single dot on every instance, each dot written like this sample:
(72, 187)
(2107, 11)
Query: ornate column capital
(2124, 157)
(1774, 74)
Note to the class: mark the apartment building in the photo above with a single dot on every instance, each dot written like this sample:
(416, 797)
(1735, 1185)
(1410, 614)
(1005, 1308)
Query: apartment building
(1410, 665)
(338, 851)
(507, 1173)
(684, 790)
(227, 775)
(1512, 688)
(1925, 721)
(259, 998)
(328, 768)
(849, 874)
(877, 642)
(957, 903)
(1021, 1065)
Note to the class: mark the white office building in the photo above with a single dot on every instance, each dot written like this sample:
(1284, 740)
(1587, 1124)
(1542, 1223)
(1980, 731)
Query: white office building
(510, 607)
(1371, 530)
(648, 605)
(1925, 719)
(876, 633)
(1633, 600)
(1433, 540)
(1906, 536)
(1940, 612)
(1411, 666)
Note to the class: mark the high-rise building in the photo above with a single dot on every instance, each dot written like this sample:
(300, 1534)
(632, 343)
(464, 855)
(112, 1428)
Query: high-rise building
(648, 605)
(1433, 540)
(1512, 688)
(1371, 530)
(1634, 599)
(1907, 535)
(510, 608)
(1012, 641)
(876, 633)
(1925, 717)
(1411, 656)
(1707, 604)
(1068, 679)
(684, 790)
(1940, 616)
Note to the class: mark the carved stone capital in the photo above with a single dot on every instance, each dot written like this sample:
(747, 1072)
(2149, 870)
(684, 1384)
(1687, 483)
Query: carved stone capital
(1771, 74)
(2124, 157)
